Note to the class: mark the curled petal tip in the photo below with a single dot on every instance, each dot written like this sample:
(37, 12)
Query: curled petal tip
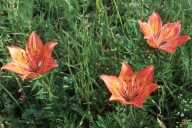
(54, 43)
(155, 13)
(139, 21)
(23, 78)
(150, 68)
(33, 32)
(187, 37)
(123, 63)
(103, 76)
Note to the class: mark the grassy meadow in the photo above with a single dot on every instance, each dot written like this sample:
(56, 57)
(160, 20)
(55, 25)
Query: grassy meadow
(94, 37)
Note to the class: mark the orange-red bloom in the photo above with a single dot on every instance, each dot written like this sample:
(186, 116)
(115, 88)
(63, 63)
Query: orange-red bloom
(129, 87)
(164, 37)
(35, 60)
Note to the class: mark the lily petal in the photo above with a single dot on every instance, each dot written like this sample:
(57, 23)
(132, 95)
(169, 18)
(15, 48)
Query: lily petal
(115, 87)
(146, 29)
(168, 32)
(34, 44)
(15, 67)
(143, 77)
(146, 91)
(47, 61)
(34, 49)
(126, 71)
(155, 23)
(18, 55)
(48, 48)
(152, 43)
(29, 75)
(173, 44)
(108, 82)
(47, 64)
(120, 99)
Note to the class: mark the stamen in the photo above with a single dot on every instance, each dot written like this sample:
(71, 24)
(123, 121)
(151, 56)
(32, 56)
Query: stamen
(39, 64)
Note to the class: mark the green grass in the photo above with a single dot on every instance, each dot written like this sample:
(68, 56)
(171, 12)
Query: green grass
(93, 40)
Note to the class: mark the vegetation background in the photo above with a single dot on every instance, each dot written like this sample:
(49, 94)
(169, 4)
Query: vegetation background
(94, 37)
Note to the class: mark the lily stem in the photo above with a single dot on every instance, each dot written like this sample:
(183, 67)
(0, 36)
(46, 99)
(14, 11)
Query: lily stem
(48, 88)
(133, 112)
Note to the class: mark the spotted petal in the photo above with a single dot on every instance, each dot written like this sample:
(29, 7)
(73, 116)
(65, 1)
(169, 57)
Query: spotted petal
(155, 23)
(146, 29)
(143, 77)
(148, 34)
(15, 67)
(115, 87)
(47, 62)
(34, 50)
(34, 45)
(18, 55)
(126, 71)
(168, 32)
(145, 92)
(143, 80)
(173, 44)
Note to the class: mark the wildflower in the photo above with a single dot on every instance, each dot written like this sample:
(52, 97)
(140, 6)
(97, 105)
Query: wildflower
(129, 87)
(164, 37)
(35, 60)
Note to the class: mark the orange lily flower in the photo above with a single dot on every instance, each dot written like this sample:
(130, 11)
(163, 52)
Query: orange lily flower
(35, 60)
(129, 87)
(164, 37)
